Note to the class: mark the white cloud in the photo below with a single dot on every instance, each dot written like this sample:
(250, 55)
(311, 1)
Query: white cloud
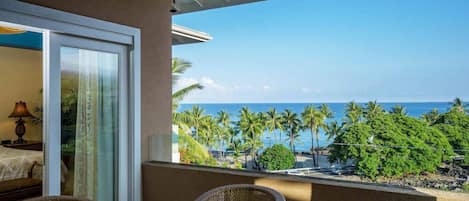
(210, 83)
(217, 91)
(207, 81)
(307, 90)
(184, 82)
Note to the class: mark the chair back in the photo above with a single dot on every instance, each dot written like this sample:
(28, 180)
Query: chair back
(241, 192)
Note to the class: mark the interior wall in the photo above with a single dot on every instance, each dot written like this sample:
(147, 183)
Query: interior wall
(154, 20)
(20, 79)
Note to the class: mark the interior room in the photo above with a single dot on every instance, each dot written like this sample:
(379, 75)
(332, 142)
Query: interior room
(88, 77)
(21, 137)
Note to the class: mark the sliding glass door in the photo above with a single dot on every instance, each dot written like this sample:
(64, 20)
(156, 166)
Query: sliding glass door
(91, 102)
(91, 87)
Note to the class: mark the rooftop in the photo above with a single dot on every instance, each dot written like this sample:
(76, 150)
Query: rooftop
(184, 35)
(186, 6)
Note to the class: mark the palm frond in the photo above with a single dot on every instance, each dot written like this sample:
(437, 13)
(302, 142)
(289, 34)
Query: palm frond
(179, 66)
(181, 93)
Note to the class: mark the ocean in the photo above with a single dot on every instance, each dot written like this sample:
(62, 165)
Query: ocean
(304, 143)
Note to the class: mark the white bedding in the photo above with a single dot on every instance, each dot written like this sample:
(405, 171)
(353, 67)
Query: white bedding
(16, 163)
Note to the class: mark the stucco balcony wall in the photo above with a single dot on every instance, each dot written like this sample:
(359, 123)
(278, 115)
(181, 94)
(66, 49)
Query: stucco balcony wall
(166, 181)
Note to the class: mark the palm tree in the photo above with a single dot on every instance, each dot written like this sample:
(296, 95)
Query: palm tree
(179, 67)
(431, 117)
(314, 119)
(353, 113)
(210, 132)
(237, 146)
(195, 118)
(274, 122)
(223, 119)
(373, 109)
(353, 107)
(244, 113)
(232, 133)
(292, 125)
(181, 118)
(252, 127)
(183, 121)
(333, 130)
(458, 105)
(326, 111)
(399, 109)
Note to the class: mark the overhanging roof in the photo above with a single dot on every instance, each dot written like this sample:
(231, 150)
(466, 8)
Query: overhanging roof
(184, 35)
(185, 6)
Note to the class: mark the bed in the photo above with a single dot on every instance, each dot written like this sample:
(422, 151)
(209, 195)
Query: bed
(18, 163)
(20, 173)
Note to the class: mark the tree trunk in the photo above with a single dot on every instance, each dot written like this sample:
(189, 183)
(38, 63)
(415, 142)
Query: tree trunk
(280, 135)
(275, 137)
(245, 160)
(221, 149)
(292, 141)
(253, 159)
(317, 148)
(312, 147)
(253, 152)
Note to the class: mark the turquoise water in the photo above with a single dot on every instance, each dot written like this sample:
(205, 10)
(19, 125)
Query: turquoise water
(304, 144)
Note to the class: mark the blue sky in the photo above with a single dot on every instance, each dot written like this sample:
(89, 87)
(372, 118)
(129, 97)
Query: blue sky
(330, 51)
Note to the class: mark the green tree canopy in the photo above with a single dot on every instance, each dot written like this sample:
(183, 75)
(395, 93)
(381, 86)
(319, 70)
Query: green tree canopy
(455, 126)
(277, 157)
(390, 144)
(193, 152)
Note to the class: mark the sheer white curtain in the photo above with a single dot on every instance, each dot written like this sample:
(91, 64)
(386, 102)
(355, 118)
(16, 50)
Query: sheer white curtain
(96, 127)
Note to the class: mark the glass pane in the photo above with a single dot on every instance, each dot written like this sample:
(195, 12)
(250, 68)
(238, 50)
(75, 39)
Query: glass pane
(21, 122)
(89, 123)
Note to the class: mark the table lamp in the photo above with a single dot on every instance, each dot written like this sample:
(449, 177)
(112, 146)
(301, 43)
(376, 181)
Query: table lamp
(20, 111)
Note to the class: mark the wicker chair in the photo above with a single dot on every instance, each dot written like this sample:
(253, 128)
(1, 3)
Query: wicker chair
(241, 192)
(56, 198)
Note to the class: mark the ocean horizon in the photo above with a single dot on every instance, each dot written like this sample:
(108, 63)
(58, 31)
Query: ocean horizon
(414, 109)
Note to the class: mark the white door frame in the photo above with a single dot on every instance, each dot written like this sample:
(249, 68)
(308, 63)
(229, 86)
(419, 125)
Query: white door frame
(55, 21)
(61, 40)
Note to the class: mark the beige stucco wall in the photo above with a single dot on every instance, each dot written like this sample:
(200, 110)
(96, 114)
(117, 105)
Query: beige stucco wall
(20, 79)
(164, 182)
(154, 20)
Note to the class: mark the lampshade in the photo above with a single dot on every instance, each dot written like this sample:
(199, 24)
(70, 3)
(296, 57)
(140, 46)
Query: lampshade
(8, 30)
(21, 110)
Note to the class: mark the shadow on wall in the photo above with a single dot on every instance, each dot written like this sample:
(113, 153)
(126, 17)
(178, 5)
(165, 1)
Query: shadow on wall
(335, 193)
(299, 191)
(177, 182)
